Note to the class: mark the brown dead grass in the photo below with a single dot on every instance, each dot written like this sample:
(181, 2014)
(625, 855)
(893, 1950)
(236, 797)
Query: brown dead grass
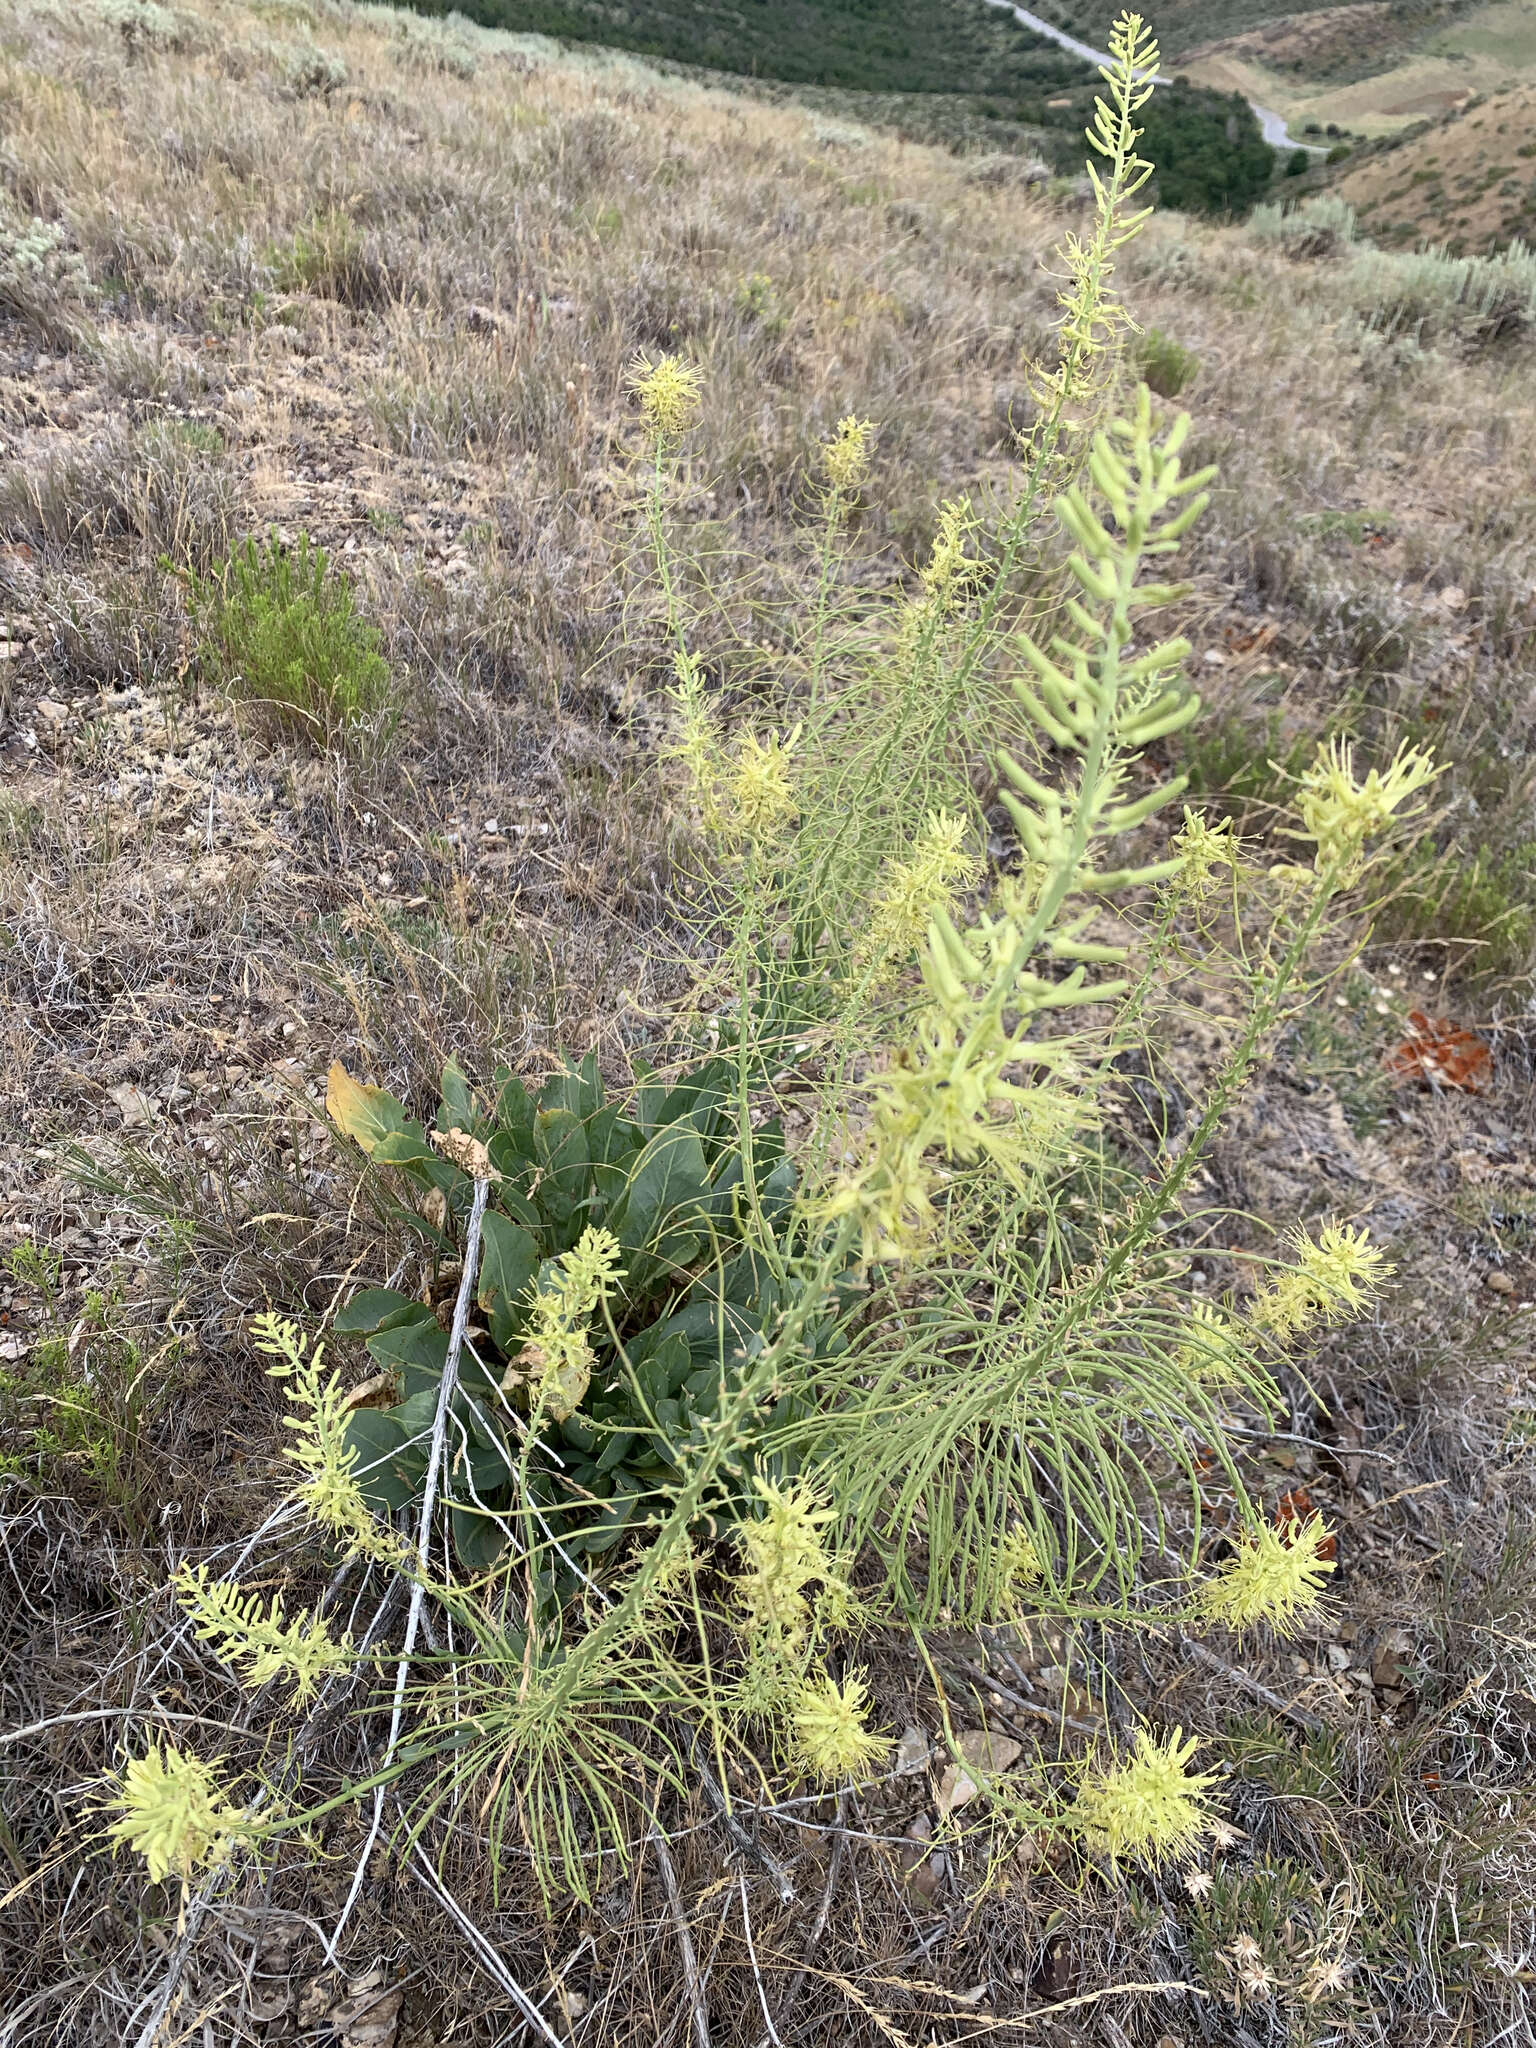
(398, 315)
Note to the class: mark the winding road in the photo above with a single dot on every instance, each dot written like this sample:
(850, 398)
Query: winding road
(1276, 134)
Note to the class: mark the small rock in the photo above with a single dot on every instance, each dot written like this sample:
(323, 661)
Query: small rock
(1392, 1645)
(911, 1750)
(1501, 1283)
(1338, 1657)
(983, 1753)
(52, 710)
(133, 1103)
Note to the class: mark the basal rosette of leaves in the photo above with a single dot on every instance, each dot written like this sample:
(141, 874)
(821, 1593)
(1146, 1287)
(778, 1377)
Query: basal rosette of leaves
(708, 1255)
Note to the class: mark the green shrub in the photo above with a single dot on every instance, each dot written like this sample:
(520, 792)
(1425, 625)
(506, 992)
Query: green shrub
(1475, 907)
(704, 1239)
(328, 256)
(1166, 365)
(282, 634)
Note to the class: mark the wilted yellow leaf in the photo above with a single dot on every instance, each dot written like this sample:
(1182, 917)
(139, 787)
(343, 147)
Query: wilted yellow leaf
(360, 1112)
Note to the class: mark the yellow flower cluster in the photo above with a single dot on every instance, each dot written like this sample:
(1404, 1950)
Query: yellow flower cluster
(1209, 1350)
(741, 794)
(558, 1356)
(244, 1631)
(1274, 1576)
(784, 1554)
(173, 1812)
(757, 795)
(916, 887)
(330, 1492)
(697, 746)
(1341, 813)
(845, 458)
(1151, 1805)
(1334, 1279)
(949, 1093)
(1016, 1563)
(668, 390)
(832, 1741)
(1203, 848)
(949, 571)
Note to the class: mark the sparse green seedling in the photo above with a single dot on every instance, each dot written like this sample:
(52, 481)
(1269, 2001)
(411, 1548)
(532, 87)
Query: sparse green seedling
(281, 632)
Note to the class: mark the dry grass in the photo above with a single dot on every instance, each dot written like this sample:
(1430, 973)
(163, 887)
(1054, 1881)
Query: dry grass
(394, 309)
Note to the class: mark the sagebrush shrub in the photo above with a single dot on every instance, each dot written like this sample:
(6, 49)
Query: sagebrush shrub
(281, 632)
(44, 282)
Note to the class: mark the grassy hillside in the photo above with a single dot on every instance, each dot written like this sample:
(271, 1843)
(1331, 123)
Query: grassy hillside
(906, 46)
(1336, 32)
(1377, 69)
(1467, 181)
(958, 70)
(341, 722)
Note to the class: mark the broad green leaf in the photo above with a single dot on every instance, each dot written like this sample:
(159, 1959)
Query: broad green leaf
(418, 1412)
(514, 1111)
(578, 1090)
(509, 1259)
(416, 1351)
(373, 1309)
(477, 1538)
(662, 1204)
(406, 1148)
(578, 1432)
(517, 1169)
(663, 1371)
(388, 1474)
(560, 1139)
(457, 1107)
(615, 1450)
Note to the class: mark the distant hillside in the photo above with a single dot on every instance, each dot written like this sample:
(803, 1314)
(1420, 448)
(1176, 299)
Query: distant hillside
(1467, 180)
(1334, 31)
(1370, 67)
(885, 46)
(959, 71)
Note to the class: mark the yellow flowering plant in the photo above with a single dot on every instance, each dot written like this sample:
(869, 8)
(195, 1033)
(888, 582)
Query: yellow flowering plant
(1274, 1577)
(173, 1812)
(932, 1344)
(1150, 1806)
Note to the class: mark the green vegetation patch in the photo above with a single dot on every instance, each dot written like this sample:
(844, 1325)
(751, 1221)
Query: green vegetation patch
(281, 632)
